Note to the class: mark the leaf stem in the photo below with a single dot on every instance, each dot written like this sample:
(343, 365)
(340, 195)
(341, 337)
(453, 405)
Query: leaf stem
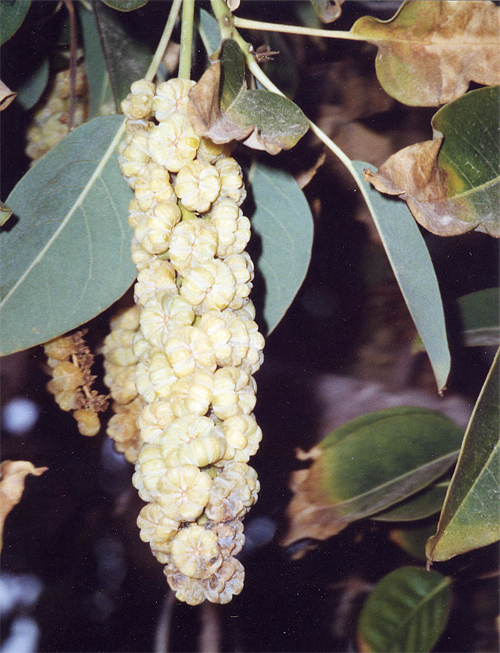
(292, 29)
(165, 38)
(186, 39)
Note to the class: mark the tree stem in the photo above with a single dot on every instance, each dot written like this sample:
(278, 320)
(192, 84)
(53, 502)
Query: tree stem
(186, 39)
(165, 38)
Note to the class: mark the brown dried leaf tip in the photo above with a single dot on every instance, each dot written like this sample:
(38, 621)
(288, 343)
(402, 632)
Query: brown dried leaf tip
(70, 362)
(12, 478)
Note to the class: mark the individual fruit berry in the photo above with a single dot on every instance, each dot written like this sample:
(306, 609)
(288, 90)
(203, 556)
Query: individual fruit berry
(197, 186)
(192, 242)
(137, 105)
(171, 98)
(88, 421)
(183, 492)
(173, 143)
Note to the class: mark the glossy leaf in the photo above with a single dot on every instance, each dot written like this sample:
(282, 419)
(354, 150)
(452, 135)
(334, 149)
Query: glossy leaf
(412, 537)
(12, 15)
(407, 253)
(65, 253)
(480, 313)
(367, 465)
(95, 63)
(33, 85)
(471, 517)
(419, 506)
(125, 5)
(406, 611)
(283, 221)
(209, 32)
(127, 56)
(431, 50)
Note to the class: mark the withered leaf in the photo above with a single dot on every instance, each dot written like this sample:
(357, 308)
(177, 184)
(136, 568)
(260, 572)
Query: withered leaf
(6, 96)
(327, 10)
(452, 183)
(12, 478)
(431, 50)
(367, 465)
(223, 109)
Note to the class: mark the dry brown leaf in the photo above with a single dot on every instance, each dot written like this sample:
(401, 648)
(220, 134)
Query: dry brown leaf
(413, 173)
(308, 175)
(309, 516)
(6, 96)
(204, 110)
(12, 478)
(432, 49)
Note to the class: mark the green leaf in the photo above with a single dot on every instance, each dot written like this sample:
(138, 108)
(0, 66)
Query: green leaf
(12, 15)
(413, 269)
(471, 517)
(480, 313)
(66, 256)
(33, 85)
(125, 5)
(419, 506)
(232, 83)
(284, 223)
(412, 537)
(431, 50)
(327, 10)
(127, 56)
(209, 32)
(406, 611)
(368, 465)
(95, 63)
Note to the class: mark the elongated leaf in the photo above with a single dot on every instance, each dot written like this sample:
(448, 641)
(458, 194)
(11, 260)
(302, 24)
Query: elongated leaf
(431, 49)
(127, 56)
(12, 15)
(419, 506)
(471, 517)
(66, 256)
(412, 537)
(284, 223)
(367, 465)
(33, 85)
(480, 313)
(209, 32)
(413, 269)
(406, 611)
(95, 63)
(125, 5)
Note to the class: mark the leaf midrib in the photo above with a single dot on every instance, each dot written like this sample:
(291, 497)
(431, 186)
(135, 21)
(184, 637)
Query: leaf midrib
(95, 175)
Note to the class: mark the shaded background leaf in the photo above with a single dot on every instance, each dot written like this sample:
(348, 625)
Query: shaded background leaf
(66, 256)
(367, 465)
(95, 64)
(412, 537)
(471, 517)
(209, 32)
(127, 56)
(406, 611)
(33, 85)
(407, 251)
(283, 222)
(480, 314)
(12, 15)
(431, 49)
(125, 5)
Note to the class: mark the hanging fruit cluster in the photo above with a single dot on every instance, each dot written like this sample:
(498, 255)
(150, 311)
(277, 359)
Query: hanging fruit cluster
(183, 359)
